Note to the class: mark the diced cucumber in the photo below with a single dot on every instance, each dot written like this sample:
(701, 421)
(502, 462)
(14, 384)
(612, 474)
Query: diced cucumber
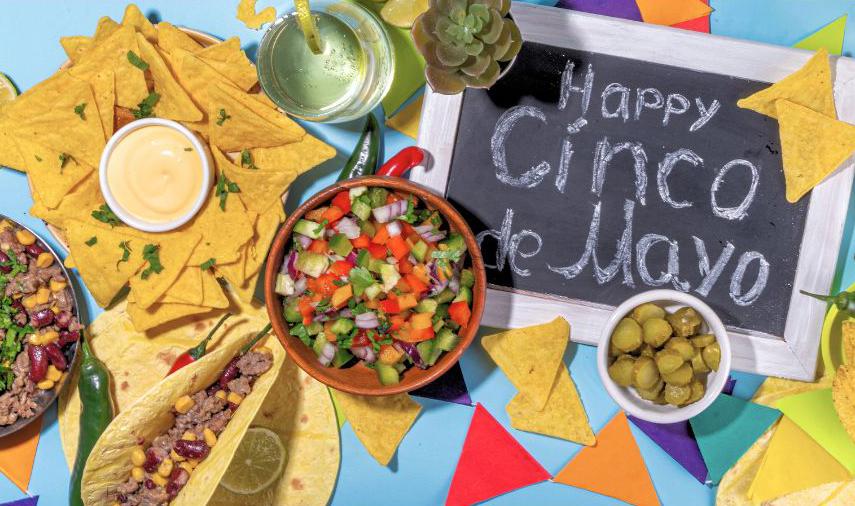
(390, 276)
(309, 229)
(455, 242)
(319, 344)
(342, 326)
(360, 209)
(314, 328)
(446, 340)
(377, 196)
(374, 265)
(467, 278)
(427, 306)
(284, 284)
(341, 358)
(363, 259)
(357, 191)
(425, 349)
(445, 296)
(373, 291)
(440, 323)
(313, 264)
(292, 314)
(340, 245)
(419, 250)
(464, 294)
(400, 367)
(367, 228)
(387, 374)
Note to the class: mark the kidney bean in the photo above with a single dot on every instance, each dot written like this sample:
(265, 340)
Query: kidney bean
(38, 362)
(191, 449)
(56, 356)
(63, 319)
(122, 498)
(34, 250)
(152, 461)
(17, 306)
(42, 318)
(177, 480)
(4, 258)
(229, 373)
(68, 337)
(149, 484)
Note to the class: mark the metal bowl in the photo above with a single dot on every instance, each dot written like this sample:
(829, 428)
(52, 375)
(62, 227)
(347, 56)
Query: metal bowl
(44, 398)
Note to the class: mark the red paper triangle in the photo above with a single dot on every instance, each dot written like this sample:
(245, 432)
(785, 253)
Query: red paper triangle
(613, 467)
(492, 463)
(701, 24)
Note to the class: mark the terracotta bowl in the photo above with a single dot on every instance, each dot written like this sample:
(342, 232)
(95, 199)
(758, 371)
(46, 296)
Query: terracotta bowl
(359, 379)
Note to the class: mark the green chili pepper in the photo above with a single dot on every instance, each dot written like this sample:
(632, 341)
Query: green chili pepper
(96, 413)
(845, 301)
(365, 157)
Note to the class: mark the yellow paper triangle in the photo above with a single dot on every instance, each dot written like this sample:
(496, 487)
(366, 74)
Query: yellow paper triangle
(793, 461)
(812, 146)
(671, 12)
(407, 119)
(380, 422)
(18, 452)
(810, 86)
(829, 37)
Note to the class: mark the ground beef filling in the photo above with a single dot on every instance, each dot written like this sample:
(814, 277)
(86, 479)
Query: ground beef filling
(161, 470)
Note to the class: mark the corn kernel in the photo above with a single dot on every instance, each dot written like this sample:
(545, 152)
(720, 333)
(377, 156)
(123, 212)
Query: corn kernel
(193, 463)
(209, 436)
(43, 295)
(234, 398)
(188, 436)
(138, 456)
(165, 468)
(45, 384)
(53, 374)
(57, 285)
(221, 394)
(25, 237)
(184, 404)
(55, 310)
(159, 480)
(44, 338)
(137, 474)
(29, 302)
(186, 466)
(44, 260)
(174, 456)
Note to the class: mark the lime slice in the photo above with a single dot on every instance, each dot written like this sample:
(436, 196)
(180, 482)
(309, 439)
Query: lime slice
(403, 13)
(308, 25)
(258, 462)
(8, 92)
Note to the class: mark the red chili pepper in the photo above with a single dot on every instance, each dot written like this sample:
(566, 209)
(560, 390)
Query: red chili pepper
(405, 160)
(195, 353)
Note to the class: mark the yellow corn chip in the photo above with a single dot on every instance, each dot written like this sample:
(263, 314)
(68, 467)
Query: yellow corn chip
(104, 88)
(174, 102)
(76, 205)
(196, 77)
(234, 271)
(530, 357)
(159, 314)
(170, 38)
(51, 177)
(106, 27)
(848, 332)
(187, 289)
(99, 264)
(734, 485)
(9, 155)
(212, 292)
(773, 389)
(237, 121)
(224, 232)
(174, 250)
(380, 422)
(810, 87)
(812, 146)
(112, 53)
(228, 59)
(75, 46)
(245, 292)
(843, 395)
(563, 416)
(246, 14)
(265, 229)
(134, 17)
(294, 158)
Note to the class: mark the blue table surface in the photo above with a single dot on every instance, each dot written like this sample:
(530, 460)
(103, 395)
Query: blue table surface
(422, 470)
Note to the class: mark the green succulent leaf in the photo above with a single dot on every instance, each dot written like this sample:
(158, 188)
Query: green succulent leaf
(476, 65)
(446, 83)
(486, 79)
(480, 11)
(501, 46)
(516, 44)
(475, 47)
(490, 33)
(451, 56)
(443, 30)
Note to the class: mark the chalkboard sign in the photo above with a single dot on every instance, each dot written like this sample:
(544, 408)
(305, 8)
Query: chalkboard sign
(612, 159)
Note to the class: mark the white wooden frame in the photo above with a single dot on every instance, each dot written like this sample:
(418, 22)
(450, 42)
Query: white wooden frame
(793, 355)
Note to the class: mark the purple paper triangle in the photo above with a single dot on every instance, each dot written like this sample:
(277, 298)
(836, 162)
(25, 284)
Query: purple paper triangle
(729, 386)
(450, 387)
(27, 501)
(626, 9)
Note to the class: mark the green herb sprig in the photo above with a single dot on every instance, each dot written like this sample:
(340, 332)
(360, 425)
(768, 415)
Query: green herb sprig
(151, 254)
(106, 215)
(223, 188)
(136, 61)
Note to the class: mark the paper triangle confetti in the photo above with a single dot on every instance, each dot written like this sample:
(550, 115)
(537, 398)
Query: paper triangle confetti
(491, 463)
(380, 422)
(613, 467)
(671, 12)
(450, 387)
(812, 146)
(814, 413)
(27, 501)
(626, 9)
(701, 24)
(726, 429)
(678, 441)
(407, 119)
(793, 461)
(829, 37)
(17, 453)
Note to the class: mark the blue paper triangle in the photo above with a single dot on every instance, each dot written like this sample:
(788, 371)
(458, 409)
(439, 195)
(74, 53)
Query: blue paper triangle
(726, 430)
(450, 387)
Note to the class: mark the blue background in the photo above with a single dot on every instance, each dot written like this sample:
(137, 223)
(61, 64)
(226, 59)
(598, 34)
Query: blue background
(421, 472)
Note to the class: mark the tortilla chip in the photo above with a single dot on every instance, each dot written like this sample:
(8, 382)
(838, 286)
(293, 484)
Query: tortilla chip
(228, 59)
(563, 416)
(174, 102)
(100, 264)
(843, 394)
(75, 45)
(265, 229)
(104, 90)
(170, 38)
(174, 250)
(196, 77)
(212, 293)
(530, 357)
(106, 26)
(224, 232)
(848, 333)
(51, 181)
(773, 389)
(249, 123)
(161, 313)
(254, 20)
(812, 146)
(134, 17)
(112, 54)
(380, 422)
(810, 87)
(187, 289)
(9, 154)
(734, 485)
(77, 204)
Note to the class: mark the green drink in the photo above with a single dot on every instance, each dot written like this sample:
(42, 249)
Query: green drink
(345, 80)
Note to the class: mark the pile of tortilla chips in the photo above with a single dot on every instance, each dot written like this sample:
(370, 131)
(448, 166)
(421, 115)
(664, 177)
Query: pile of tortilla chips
(814, 143)
(547, 402)
(57, 130)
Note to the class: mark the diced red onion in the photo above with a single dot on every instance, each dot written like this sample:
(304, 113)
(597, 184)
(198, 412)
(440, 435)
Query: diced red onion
(393, 228)
(391, 260)
(348, 227)
(329, 233)
(345, 313)
(290, 264)
(389, 212)
(327, 353)
(304, 240)
(454, 284)
(300, 285)
(433, 236)
(412, 259)
(365, 353)
(321, 318)
(351, 258)
(423, 229)
(411, 351)
(367, 320)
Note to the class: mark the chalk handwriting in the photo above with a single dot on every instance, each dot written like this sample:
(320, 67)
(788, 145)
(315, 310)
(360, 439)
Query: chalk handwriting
(748, 298)
(604, 154)
(622, 110)
(706, 113)
(710, 275)
(513, 250)
(665, 168)
(567, 87)
(741, 211)
(642, 103)
(671, 275)
(671, 110)
(506, 123)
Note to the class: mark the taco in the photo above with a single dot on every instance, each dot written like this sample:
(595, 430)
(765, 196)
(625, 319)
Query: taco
(173, 445)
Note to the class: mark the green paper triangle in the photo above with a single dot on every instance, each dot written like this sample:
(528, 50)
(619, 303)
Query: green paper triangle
(814, 413)
(829, 36)
(726, 430)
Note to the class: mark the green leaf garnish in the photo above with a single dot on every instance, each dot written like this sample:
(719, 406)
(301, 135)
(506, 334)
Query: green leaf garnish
(223, 188)
(207, 264)
(80, 110)
(151, 254)
(126, 253)
(145, 108)
(246, 160)
(222, 116)
(136, 61)
(106, 215)
(92, 241)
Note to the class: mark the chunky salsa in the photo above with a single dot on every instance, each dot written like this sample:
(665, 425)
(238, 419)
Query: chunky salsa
(378, 277)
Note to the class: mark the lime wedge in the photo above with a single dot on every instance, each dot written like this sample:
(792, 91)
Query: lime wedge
(308, 25)
(403, 13)
(8, 92)
(258, 462)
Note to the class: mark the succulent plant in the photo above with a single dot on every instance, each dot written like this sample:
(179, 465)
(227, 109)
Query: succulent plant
(463, 42)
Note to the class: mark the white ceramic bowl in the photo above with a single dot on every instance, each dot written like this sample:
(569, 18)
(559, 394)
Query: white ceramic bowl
(199, 148)
(627, 398)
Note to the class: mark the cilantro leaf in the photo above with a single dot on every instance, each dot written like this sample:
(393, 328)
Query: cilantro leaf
(320, 228)
(151, 254)
(410, 216)
(207, 264)
(80, 110)
(246, 160)
(38, 158)
(136, 61)
(92, 241)
(300, 332)
(360, 278)
(106, 215)
(145, 108)
(223, 188)
(63, 159)
(222, 116)
(126, 253)
(450, 254)
(188, 149)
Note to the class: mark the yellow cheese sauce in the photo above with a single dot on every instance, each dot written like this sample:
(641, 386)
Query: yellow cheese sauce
(155, 174)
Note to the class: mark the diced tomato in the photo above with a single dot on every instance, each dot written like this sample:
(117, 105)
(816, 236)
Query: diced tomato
(340, 268)
(407, 230)
(319, 246)
(332, 214)
(316, 214)
(392, 198)
(324, 285)
(459, 312)
(416, 284)
(420, 271)
(398, 247)
(341, 295)
(377, 251)
(402, 286)
(407, 301)
(381, 235)
(328, 333)
(360, 339)
(396, 322)
(412, 335)
(389, 306)
(361, 242)
(405, 267)
(304, 305)
(421, 321)
(342, 201)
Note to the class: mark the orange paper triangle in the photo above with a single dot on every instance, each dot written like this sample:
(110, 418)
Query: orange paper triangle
(17, 453)
(612, 467)
(671, 12)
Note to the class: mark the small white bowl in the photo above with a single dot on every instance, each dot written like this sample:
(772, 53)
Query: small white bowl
(199, 148)
(627, 398)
